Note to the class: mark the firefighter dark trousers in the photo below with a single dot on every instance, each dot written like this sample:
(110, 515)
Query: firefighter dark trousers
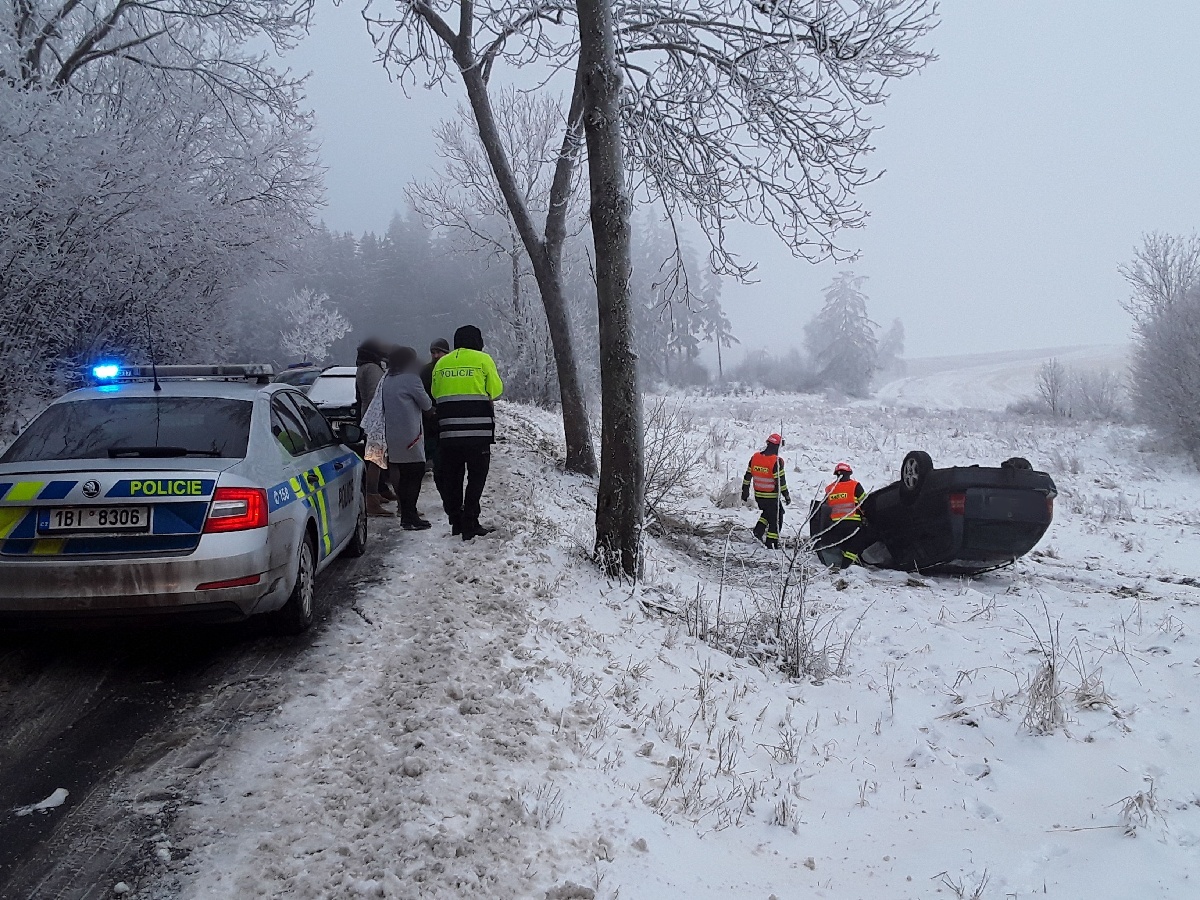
(850, 537)
(770, 521)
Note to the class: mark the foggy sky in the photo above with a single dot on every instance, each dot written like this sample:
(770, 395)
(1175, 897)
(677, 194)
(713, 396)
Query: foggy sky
(1021, 169)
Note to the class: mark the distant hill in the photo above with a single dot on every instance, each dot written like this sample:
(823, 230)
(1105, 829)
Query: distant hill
(989, 380)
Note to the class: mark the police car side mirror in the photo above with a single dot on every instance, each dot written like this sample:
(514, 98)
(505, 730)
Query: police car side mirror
(349, 433)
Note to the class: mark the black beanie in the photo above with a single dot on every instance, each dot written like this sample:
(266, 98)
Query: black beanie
(468, 338)
(441, 344)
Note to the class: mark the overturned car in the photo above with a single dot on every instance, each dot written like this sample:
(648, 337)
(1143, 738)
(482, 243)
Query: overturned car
(961, 520)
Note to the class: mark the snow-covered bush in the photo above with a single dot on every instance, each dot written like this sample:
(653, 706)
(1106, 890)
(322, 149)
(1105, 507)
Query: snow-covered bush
(1068, 392)
(1165, 305)
(315, 325)
(674, 457)
(779, 625)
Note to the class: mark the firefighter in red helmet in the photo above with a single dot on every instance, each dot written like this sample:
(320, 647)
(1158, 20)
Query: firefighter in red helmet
(843, 501)
(766, 474)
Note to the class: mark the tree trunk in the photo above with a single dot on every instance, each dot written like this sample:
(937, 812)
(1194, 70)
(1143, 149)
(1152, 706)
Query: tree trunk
(622, 468)
(581, 457)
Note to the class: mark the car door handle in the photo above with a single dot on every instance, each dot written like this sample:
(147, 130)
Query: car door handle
(314, 480)
(338, 466)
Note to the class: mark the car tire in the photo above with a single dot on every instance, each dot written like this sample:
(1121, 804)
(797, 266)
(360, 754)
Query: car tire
(913, 471)
(296, 615)
(358, 541)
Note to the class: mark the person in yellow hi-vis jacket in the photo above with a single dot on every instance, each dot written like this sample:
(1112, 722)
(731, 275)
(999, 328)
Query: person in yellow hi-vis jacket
(465, 385)
(767, 476)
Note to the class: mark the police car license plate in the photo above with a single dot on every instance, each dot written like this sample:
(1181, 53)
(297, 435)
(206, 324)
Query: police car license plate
(95, 518)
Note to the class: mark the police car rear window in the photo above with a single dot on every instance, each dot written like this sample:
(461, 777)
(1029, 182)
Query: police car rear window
(133, 427)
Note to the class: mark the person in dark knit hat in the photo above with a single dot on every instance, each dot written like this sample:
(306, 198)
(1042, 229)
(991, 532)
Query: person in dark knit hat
(465, 385)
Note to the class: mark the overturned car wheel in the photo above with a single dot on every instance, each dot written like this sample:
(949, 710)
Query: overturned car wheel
(913, 471)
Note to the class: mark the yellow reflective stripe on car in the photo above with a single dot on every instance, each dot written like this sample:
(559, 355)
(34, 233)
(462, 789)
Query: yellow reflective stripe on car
(48, 546)
(10, 518)
(24, 490)
(316, 497)
(323, 508)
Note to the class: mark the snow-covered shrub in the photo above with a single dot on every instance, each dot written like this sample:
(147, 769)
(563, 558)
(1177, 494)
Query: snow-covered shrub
(1068, 392)
(779, 625)
(315, 325)
(674, 457)
(1165, 305)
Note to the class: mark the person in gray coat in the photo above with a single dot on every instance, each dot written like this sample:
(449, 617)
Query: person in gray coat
(404, 404)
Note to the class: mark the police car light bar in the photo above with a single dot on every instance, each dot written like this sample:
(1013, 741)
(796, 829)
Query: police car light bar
(112, 372)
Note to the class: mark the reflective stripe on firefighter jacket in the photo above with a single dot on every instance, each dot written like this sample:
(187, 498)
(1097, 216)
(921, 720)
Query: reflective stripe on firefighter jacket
(844, 499)
(766, 474)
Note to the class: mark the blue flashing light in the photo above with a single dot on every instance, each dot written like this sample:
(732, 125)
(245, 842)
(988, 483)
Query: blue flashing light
(106, 371)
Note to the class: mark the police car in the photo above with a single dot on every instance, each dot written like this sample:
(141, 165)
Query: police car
(204, 491)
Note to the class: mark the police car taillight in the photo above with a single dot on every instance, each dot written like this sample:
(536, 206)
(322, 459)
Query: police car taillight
(236, 509)
(958, 504)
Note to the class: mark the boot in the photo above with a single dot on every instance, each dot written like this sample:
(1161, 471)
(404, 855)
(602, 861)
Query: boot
(415, 524)
(456, 525)
(375, 506)
(387, 493)
(473, 529)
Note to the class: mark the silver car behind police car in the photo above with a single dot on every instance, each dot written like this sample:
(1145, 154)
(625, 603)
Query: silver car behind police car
(199, 490)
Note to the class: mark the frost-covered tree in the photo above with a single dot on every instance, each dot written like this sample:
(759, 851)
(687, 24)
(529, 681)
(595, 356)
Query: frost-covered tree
(1165, 304)
(311, 325)
(891, 349)
(841, 338)
(1052, 382)
(151, 164)
(676, 306)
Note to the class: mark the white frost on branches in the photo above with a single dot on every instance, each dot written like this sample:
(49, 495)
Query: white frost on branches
(150, 164)
(311, 325)
(748, 110)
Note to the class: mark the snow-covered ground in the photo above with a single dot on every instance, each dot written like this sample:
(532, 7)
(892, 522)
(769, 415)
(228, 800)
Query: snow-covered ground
(990, 380)
(500, 721)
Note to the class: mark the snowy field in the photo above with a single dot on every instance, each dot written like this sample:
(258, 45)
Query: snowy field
(989, 380)
(498, 721)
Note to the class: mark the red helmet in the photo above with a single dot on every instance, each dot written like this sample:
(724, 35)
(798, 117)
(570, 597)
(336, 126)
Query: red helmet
(843, 468)
(776, 439)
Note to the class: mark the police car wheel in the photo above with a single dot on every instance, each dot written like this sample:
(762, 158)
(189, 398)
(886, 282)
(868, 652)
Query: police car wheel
(297, 614)
(358, 542)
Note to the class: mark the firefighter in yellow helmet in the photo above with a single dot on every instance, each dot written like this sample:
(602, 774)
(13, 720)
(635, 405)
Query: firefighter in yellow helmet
(843, 500)
(767, 476)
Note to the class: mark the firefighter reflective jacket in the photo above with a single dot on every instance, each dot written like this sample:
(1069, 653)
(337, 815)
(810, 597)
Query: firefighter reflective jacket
(844, 499)
(465, 383)
(766, 474)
